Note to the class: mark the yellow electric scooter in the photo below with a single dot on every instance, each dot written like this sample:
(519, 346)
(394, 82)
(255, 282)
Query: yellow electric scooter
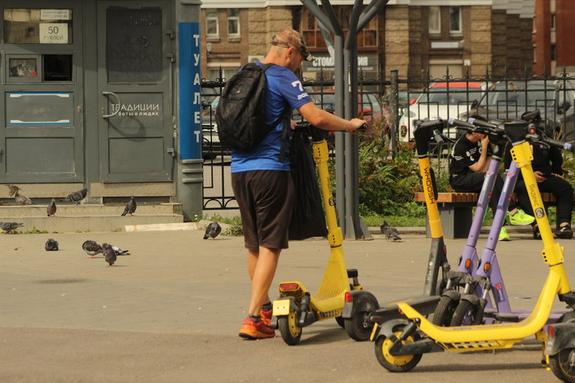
(400, 343)
(296, 307)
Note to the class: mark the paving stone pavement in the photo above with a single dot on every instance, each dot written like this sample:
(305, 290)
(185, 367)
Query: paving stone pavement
(171, 310)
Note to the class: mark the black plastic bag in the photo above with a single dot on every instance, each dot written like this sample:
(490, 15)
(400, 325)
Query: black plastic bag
(308, 219)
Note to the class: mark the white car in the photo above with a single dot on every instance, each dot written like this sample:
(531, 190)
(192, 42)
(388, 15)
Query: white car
(442, 100)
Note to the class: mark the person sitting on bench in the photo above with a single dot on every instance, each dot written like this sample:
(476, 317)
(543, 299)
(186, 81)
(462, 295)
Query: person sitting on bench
(548, 168)
(468, 163)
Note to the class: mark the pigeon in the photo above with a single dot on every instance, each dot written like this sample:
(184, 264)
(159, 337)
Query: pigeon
(130, 207)
(390, 232)
(51, 210)
(9, 227)
(212, 230)
(77, 196)
(91, 247)
(22, 199)
(109, 253)
(119, 251)
(51, 245)
(13, 189)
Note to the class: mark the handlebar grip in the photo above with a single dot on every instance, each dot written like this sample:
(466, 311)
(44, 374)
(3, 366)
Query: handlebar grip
(483, 124)
(431, 124)
(438, 137)
(561, 145)
(460, 123)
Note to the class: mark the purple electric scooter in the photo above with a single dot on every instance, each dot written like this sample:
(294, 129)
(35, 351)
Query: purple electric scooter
(468, 262)
(486, 278)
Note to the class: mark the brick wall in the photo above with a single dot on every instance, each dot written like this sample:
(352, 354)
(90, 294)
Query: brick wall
(513, 45)
(480, 40)
(565, 32)
(498, 43)
(397, 52)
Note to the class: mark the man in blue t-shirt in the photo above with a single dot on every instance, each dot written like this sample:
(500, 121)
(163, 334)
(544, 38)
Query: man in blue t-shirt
(262, 181)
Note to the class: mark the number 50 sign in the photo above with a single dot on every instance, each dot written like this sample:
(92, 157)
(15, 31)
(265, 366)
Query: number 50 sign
(53, 33)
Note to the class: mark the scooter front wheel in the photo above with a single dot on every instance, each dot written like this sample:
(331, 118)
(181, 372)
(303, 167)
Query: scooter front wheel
(444, 311)
(289, 328)
(563, 365)
(396, 363)
(466, 313)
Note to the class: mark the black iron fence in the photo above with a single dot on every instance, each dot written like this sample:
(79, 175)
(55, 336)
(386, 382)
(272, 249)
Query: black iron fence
(393, 105)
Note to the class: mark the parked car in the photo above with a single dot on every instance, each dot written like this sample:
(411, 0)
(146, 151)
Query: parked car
(508, 100)
(442, 100)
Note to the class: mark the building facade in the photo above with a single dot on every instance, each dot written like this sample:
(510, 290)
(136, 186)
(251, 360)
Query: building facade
(412, 36)
(552, 31)
(89, 97)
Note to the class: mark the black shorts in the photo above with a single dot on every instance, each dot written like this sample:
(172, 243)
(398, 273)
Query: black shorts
(266, 199)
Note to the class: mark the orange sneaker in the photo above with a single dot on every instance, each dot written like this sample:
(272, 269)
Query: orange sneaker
(255, 329)
(266, 316)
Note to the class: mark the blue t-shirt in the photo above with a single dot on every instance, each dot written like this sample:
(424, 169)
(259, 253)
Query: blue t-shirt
(284, 90)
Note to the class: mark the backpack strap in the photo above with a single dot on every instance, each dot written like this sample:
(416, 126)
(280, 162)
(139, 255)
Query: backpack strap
(286, 134)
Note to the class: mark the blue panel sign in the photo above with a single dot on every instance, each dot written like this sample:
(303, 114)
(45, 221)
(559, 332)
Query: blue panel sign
(190, 84)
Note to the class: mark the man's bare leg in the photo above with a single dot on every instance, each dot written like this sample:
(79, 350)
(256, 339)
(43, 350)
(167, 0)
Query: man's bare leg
(262, 268)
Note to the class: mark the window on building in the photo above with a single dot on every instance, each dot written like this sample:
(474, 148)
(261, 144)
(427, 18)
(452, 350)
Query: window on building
(434, 20)
(309, 29)
(455, 20)
(367, 37)
(553, 52)
(553, 22)
(212, 25)
(38, 26)
(233, 22)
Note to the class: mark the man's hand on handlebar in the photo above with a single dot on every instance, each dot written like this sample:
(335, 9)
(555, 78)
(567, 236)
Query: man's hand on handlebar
(357, 124)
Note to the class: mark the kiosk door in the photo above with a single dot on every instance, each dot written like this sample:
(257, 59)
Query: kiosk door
(135, 65)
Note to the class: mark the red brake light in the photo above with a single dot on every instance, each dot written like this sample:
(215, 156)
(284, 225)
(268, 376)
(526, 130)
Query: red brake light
(289, 286)
(348, 297)
(412, 101)
(367, 111)
(551, 331)
(468, 264)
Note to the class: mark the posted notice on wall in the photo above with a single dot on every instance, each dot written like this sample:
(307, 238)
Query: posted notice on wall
(55, 14)
(53, 33)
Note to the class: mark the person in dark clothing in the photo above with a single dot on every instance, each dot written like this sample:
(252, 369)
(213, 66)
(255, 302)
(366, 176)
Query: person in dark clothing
(548, 168)
(468, 164)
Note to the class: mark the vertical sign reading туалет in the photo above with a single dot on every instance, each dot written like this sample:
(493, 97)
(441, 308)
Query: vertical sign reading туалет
(190, 84)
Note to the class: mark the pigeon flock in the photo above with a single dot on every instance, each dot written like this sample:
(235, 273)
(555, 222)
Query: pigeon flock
(76, 197)
(91, 248)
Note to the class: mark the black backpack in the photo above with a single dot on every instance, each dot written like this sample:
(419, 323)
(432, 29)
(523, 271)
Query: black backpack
(240, 114)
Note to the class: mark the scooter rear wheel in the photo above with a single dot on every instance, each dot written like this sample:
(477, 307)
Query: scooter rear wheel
(444, 311)
(289, 329)
(396, 363)
(563, 365)
(359, 327)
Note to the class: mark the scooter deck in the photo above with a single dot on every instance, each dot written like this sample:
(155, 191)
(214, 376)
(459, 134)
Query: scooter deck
(388, 311)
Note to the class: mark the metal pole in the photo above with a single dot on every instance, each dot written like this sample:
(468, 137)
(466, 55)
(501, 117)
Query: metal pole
(345, 65)
(353, 227)
(394, 106)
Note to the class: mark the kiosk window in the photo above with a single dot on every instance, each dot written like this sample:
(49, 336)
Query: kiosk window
(57, 67)
(134, 44)
(37, 26)
(23, 68)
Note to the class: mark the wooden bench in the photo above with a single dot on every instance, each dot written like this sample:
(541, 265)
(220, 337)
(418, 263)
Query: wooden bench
(456, 211)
